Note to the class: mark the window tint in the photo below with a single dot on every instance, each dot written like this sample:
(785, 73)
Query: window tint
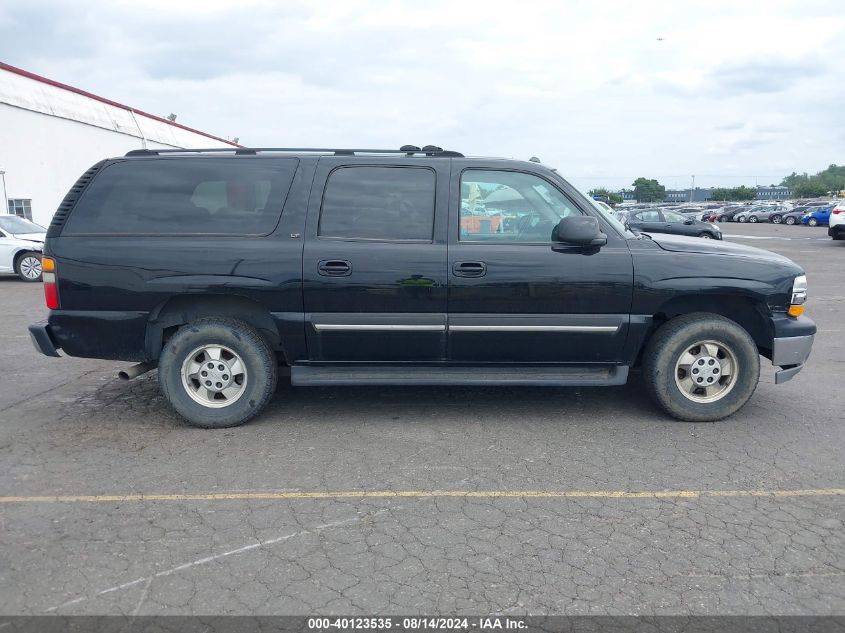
(510, 206)
(380, 203)
(207, 196)
(648, 216)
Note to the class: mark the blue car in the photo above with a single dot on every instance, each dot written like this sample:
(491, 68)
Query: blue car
(817, 217)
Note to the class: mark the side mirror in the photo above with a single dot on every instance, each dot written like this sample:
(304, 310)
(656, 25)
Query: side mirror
(580, 230)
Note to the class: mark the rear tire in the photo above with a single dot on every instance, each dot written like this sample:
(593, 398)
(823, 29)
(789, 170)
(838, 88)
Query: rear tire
(236, 393)
(742, 219)
(789, 221)
(753, 219)
(673, 353)
(28, 266)
(776, 219)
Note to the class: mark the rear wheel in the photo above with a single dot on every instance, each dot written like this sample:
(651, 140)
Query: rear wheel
(28, 266)
(217, 372)
(776, 219)
(701, 367)
(753, 219)
(742, 219)
(790, 221)
(723, 218)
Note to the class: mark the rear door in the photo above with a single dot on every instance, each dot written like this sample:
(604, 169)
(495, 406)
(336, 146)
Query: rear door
(374, 263)
(677, 223)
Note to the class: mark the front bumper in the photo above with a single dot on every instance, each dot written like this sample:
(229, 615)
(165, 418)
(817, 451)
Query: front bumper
(790, 353)
(42, 339)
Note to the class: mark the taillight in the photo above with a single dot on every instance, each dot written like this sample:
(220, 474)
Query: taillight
(48, 275)
(837, 211)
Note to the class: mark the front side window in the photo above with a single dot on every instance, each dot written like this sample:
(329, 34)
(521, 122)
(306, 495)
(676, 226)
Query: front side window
(379, 203)
(510, 206)
(648, 216)
(185, 196)
(676, 218)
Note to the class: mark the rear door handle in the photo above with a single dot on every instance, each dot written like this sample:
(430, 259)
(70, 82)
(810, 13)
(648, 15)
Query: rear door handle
(469, 269)
(334, 268)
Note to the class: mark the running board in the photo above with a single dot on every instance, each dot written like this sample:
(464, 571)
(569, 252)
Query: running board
(311, 375)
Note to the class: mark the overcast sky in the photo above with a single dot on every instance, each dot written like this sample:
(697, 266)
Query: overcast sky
(734, 92)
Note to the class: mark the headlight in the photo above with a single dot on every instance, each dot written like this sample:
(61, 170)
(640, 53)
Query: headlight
(799, 296)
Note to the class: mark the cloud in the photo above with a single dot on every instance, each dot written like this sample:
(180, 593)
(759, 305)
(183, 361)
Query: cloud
(585, 86)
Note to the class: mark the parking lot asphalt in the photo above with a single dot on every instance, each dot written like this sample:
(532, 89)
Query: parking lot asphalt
(424, 500)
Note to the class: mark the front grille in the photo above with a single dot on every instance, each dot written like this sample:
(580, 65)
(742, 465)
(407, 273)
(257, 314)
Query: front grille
(70, 199)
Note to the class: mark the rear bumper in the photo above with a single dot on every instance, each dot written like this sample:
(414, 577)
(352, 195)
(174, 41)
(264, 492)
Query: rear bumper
(835, 231)
(42, 340)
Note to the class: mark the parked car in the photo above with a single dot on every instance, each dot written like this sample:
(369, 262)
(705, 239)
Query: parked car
(21, 242)
(727, 214)
(664, 221)
(765, 214)
(819, 216)
(794, 217)
(352, 267)
(836, 222)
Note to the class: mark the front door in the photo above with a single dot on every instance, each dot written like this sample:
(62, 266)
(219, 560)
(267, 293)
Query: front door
(374, 263)
(517, 297)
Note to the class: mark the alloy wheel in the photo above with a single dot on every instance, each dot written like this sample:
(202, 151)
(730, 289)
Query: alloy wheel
(706, 371)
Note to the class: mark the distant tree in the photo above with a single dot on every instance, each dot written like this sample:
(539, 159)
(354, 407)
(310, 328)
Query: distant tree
(648, 190)
(813, 187)
(734, 193)
(831, 179)
(612, 198)
(743, 193)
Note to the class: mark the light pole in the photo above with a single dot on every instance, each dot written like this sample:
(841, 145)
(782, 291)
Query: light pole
(5, 199)
(692, 188)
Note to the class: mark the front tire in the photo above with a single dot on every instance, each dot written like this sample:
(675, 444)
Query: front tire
(217, 372)
(776, 219)
(705, 236)
(753, 219)
(742, 219)
(813, 222)
(790, 221)
(28, 267)
(701, 367)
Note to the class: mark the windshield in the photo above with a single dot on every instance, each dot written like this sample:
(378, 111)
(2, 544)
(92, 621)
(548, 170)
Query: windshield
(611, 219)
(16, 225)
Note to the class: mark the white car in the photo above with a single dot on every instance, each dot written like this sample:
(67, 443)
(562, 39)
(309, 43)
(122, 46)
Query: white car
(21, 243)
(836, 224)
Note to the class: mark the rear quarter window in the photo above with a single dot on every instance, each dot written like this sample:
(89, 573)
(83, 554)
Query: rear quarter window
(184, 196)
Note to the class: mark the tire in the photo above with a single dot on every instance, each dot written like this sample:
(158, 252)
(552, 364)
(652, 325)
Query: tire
(722, 218)
(28, 266)
(235, 341)
(776, 219)
(813, 222)
(742, 219)
(705, 236)
(753, 219)
(664, 376)
(790, 221)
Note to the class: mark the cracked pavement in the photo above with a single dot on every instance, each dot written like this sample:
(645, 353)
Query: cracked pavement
(69, 427)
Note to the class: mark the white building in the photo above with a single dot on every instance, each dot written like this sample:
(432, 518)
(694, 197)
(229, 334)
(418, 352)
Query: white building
(51, 133)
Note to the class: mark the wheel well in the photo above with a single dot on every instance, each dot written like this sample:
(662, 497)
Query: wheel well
(20, 254)
(177, 311)
(751, 315)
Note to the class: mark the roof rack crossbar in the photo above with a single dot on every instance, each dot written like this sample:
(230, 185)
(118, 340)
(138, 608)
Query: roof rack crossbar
(426, 151)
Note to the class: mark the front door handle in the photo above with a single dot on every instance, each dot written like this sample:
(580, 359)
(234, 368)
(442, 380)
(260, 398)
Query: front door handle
(469, 269)
(334, 268)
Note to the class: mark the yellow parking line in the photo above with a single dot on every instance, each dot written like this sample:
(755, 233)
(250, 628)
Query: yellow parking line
(425, 494)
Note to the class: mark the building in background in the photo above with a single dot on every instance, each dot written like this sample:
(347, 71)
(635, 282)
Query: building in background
(50, 133)
(774, 193)
(684, 195)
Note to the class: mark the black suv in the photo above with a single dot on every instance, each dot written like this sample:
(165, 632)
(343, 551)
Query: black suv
(225, 268)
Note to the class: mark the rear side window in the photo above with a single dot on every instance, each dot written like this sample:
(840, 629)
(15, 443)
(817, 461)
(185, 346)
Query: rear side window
(184, 196)
(379, 203)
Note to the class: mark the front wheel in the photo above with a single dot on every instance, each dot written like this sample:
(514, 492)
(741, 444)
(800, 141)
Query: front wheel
(776, 219)
(701, 367)
(742, 219)
(705, 236)
(753, 219)
(813, 222)
(28, 267)
(217, 372)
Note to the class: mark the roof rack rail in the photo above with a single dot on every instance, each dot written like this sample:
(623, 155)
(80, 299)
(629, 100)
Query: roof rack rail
(408, 150)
